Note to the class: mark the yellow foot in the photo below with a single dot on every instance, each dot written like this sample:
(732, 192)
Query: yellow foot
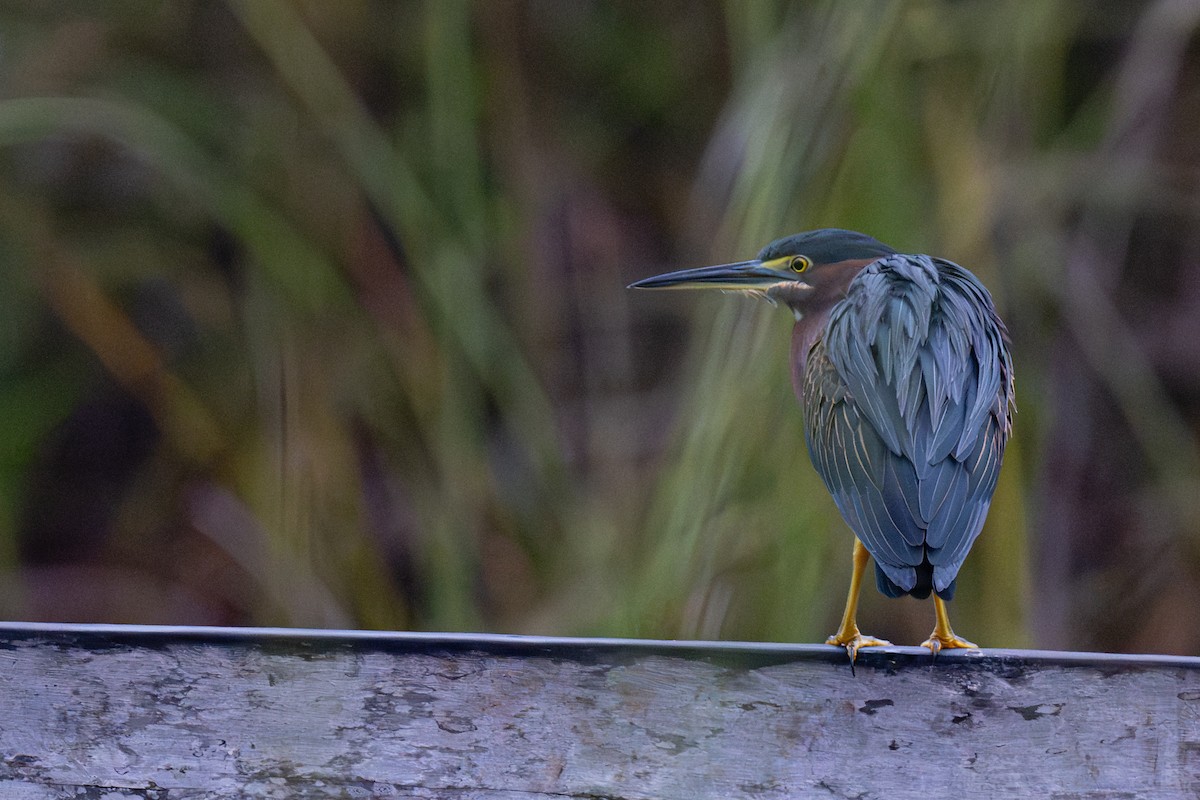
(938, 642)
(854, 640)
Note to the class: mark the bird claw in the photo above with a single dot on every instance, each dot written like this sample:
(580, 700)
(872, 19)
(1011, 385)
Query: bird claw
(852, 640)
(937, 642)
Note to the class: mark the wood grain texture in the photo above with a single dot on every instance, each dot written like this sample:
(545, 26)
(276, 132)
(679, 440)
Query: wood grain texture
(138, 712)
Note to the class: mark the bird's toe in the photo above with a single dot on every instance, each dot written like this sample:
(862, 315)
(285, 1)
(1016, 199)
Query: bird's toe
(853, 640)
(938, 642)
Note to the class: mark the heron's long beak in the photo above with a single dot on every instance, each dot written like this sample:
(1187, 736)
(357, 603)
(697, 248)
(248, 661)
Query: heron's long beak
(754, 275)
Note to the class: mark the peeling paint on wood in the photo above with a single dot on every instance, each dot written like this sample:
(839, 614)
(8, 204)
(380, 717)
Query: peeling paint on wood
(168, 713)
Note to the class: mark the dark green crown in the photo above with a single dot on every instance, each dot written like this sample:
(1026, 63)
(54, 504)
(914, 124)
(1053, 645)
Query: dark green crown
(826, 246)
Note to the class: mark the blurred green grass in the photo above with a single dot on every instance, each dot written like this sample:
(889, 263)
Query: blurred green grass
(363, 265)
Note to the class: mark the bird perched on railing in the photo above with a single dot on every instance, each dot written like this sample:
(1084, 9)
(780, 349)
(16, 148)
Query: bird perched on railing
(903, 369)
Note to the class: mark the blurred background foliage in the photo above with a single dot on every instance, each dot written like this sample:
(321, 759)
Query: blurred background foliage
(314, 312)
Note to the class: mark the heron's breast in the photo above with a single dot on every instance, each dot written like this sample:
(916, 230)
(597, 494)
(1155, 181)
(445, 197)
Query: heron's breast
(805, 334)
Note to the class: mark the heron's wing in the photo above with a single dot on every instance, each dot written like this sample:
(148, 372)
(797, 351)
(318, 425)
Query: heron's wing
(861, 472)
(917, 363)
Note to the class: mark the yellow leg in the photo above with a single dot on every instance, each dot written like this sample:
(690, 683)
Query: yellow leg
(848, 635)
(942, 636)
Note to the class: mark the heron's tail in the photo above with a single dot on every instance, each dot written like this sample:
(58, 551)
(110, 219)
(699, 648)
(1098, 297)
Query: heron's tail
(920, 590)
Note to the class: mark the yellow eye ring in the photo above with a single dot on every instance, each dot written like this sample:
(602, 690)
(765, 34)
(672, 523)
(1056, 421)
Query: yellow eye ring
(799, 263)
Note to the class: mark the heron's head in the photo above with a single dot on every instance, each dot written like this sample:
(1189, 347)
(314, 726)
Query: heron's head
(806, 271)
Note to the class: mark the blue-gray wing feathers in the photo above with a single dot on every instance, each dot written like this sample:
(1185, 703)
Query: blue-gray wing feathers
(907, 411)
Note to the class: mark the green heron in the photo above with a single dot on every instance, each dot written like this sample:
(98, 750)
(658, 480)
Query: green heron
(903, 370)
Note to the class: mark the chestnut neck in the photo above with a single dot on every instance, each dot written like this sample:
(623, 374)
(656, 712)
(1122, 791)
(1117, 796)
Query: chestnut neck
(812, 311)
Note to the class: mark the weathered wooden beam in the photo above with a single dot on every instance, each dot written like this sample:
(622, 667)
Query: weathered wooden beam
(153, 712)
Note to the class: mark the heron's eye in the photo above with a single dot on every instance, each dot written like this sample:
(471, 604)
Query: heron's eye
(799, 263)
